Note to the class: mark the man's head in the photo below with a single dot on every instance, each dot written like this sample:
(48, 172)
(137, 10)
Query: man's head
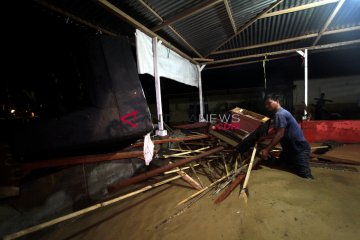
(272, 102)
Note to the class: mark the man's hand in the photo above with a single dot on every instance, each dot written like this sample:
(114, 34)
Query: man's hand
(264, 153)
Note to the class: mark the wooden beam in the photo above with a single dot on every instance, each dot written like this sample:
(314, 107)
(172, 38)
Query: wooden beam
(228, 10)
(186, 14)
(204, 59)
(331, 45)
(116, 11)
(299, 8)
(70, 161)
(245, 63)
(148, 7)
(246, 25)
(179, 139)
(328, 21)
(287, 40)
(73, 17)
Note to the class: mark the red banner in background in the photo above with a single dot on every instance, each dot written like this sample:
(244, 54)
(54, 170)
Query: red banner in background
(347, 131)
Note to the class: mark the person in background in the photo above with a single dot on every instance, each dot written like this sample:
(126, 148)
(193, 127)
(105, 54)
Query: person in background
(320, 107)
(295, 149)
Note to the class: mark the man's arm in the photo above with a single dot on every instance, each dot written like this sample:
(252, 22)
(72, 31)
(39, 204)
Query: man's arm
(276, 139)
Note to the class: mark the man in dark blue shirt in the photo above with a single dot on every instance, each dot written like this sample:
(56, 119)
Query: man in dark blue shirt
(295, 149)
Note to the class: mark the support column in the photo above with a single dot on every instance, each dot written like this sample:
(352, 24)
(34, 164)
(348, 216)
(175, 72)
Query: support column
(306, 80)
(201, 99)
(160, 131)
(304, 54)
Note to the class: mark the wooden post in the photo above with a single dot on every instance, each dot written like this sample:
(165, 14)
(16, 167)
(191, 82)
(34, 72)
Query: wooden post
(161, 131)
(201, 100)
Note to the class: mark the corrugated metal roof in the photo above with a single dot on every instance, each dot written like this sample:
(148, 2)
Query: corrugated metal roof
(206, 29)
(349, 15)
(169, 8)
(292, 3)
(244, 10)
(210, 27)
(282, 27)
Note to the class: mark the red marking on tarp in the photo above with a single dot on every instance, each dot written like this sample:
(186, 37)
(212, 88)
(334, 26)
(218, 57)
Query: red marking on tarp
(126, 116)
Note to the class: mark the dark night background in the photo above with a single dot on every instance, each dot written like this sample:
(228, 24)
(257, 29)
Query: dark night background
(42, 66)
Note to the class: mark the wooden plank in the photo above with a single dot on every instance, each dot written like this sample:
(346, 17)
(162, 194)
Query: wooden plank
(204, 59)
(179, 139)
(299, 8)
(69, 161)
(228, 10)
(349, 153)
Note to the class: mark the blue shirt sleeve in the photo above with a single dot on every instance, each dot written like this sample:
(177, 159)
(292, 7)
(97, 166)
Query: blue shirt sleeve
(280, 120)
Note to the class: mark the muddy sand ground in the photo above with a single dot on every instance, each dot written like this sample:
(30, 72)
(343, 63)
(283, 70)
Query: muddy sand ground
(281, 206)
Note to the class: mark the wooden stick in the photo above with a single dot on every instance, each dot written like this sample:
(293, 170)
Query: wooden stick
(85, 210)
(196, 175)
(187, 152)
(69, 161)
(182, 169)
(243, 190)
(207, 188)
(233, 185)
(179, 139)
(188, 179)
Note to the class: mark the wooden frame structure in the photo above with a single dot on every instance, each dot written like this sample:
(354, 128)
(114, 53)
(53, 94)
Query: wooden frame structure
(218, 55)
(224, 52)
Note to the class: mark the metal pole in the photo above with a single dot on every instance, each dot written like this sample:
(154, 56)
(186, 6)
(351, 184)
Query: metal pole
(201, 99)
(306, 80)
(304, 54)
(160, 131)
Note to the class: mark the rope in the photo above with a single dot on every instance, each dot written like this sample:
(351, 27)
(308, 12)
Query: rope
(264, 67)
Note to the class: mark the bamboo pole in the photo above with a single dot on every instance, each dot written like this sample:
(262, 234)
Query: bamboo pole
(186, 153)
(52, 222)
(243, 193)
(207, 188)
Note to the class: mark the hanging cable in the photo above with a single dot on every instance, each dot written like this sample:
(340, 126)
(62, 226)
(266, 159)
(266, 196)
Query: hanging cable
(264, 67)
